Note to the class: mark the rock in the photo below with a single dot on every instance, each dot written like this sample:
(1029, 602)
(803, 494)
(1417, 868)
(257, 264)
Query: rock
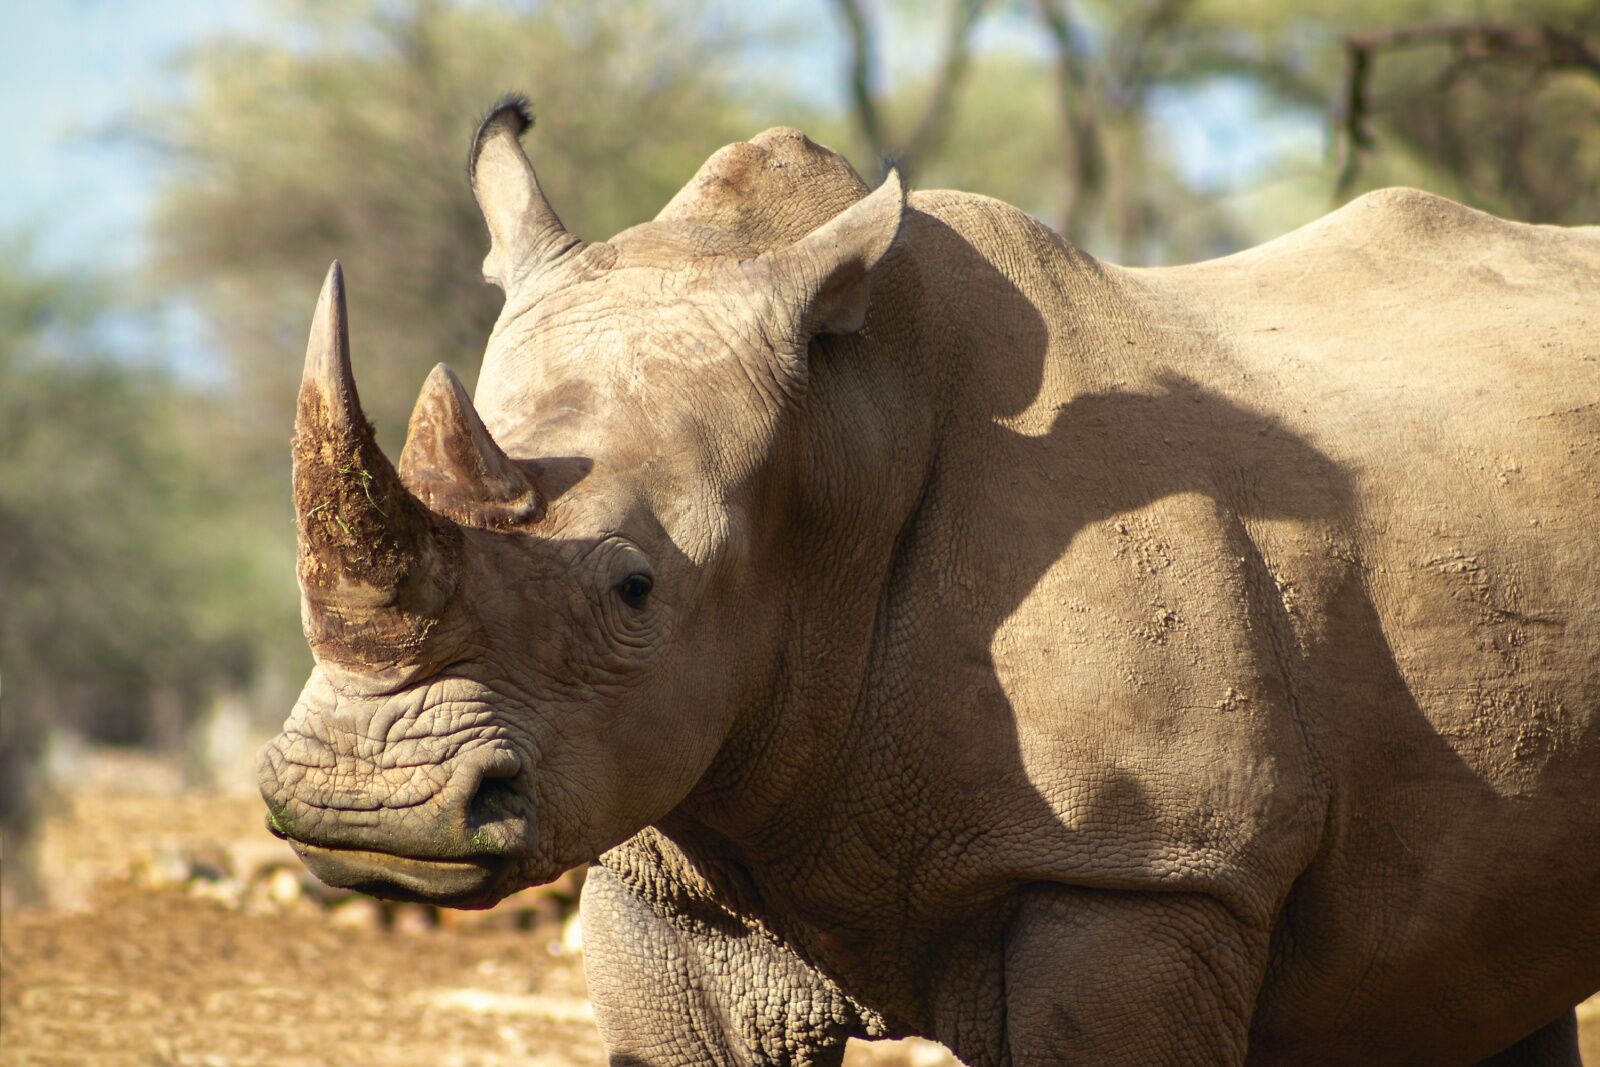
(284, 887)
(161, 870)
(413, 918)
(357, 913)
(571, 943)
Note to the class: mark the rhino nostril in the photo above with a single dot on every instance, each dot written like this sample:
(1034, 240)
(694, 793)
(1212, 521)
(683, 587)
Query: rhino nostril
(493, 801)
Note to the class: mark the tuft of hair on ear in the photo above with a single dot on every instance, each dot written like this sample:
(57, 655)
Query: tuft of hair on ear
(511, 110)
(512, 107)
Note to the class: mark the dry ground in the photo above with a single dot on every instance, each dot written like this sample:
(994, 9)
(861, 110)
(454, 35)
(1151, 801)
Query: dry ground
(161, 977)
(176, 931)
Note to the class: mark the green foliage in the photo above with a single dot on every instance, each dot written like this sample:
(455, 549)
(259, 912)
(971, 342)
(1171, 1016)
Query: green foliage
(1508, 139)
(346, 137)
(117, 570)
(1062, 119)
(1500, 132)
(1002, 141)
(1274, 19)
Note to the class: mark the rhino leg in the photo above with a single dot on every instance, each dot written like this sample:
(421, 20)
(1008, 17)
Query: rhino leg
(1094, 976)
(665, 994)
(1554, 1045)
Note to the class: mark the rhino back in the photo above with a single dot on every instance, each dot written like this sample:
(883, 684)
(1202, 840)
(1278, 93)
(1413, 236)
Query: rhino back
(1447, 363)
(1276, 571)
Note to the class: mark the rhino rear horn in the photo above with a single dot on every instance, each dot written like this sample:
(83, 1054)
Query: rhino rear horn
(374, 563)
(524, 230)
(452, 464)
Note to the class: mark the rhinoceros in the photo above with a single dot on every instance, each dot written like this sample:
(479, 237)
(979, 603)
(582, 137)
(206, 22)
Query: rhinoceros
(928, 629)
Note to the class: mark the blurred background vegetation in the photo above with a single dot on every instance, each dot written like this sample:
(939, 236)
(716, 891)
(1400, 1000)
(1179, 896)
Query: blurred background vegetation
(147, 592)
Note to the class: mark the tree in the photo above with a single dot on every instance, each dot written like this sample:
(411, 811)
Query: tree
(128, 590)
(351, 141)
(1501, 110)
(1063, 128)
(116, 563)
(1510, 111)
(926, 133)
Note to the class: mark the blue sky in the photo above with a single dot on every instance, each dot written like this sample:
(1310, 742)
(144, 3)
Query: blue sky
(68, 70)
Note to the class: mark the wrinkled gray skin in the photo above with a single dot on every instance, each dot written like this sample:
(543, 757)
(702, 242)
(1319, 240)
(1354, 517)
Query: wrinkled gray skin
(933, 630)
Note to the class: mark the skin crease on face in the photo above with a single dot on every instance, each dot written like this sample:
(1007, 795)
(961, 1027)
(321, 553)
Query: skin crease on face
(556, 699)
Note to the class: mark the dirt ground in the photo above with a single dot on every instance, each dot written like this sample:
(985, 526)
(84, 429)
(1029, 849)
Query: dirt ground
(162, 977)
(174, 931)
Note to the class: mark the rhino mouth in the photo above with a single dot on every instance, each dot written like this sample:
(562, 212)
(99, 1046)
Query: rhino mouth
(463, 883)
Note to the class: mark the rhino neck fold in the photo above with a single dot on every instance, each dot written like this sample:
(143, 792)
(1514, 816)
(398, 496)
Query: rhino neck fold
(887, 733)
(952, 344)
(802, 774)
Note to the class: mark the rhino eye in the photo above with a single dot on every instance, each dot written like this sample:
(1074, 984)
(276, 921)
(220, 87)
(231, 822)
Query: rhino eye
(634, 589)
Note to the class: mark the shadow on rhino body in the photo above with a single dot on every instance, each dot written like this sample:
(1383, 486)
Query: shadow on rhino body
(1378, 782)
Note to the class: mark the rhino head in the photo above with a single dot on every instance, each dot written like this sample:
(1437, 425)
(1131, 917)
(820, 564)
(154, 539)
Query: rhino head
(534, 635)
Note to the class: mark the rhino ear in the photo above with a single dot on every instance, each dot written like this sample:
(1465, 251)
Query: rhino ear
(524, 231)
(830, 266)
(452, 464)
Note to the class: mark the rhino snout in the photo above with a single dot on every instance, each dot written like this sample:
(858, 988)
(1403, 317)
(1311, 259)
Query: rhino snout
(446, 831)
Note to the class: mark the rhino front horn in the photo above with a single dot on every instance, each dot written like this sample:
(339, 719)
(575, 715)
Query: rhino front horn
(452, 464)
(375, 565)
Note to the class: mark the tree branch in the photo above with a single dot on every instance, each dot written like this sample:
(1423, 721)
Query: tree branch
(863, 75)
(1079, 121)
(1130, 70)
(1544, 47)
(933, 123)
(952, 71)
